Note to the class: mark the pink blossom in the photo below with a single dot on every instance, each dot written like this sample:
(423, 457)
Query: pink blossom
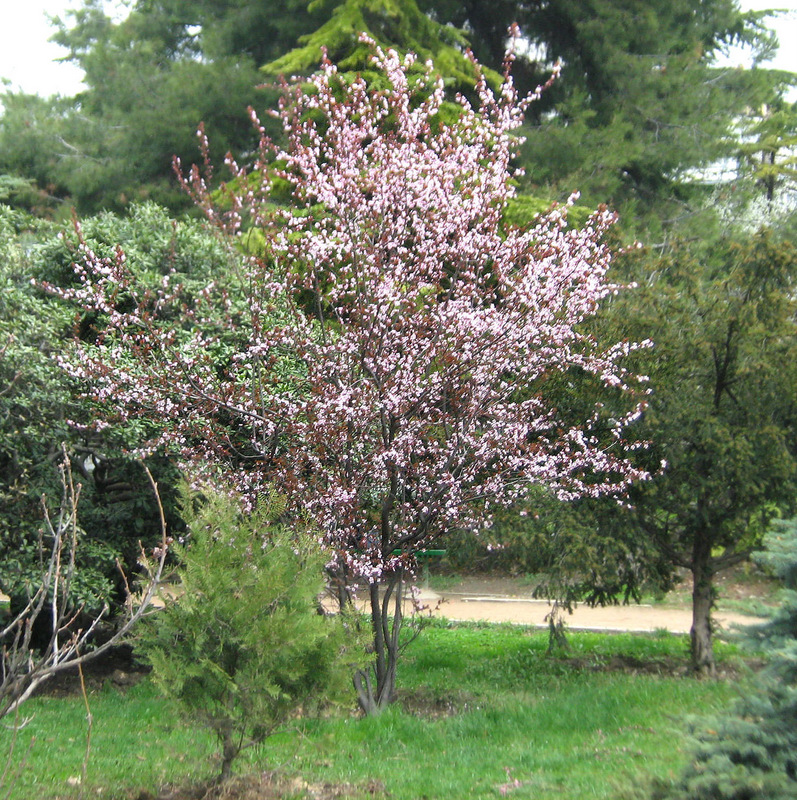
(398, 339)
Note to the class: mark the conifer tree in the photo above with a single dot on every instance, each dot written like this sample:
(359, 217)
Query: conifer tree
(751, 754)
(242, 646)
(639, 107)
(399, 24)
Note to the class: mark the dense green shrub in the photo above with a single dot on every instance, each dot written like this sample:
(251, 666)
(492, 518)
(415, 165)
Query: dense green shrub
(36, 400)
(243, 645)
(42, 407)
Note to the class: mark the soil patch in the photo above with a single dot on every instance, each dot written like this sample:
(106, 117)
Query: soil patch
(742, 582)
(118, 666)
(526, 611)
(421, 702)
(267, 786)
(510, 599)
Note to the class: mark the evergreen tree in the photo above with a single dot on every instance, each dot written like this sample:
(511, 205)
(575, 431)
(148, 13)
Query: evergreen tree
(751, 754)
(638, 108)
(243, 646)
(722, 412)
(766, 168)
(149, 85)
(641, 108)
(399, 24)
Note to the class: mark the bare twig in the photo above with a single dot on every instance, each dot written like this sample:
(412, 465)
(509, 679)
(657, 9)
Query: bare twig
(24, 668)
(89, 728)
(13, 769)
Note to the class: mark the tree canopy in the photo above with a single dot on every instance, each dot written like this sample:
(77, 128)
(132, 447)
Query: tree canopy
(638, 111)
(639, 106)
(722, 411)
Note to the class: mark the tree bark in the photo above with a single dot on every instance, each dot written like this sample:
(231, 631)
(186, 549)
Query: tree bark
(702, 648)
(376, 685)
(229, 752)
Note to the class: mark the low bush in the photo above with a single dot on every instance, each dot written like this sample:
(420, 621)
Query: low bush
(243, 645)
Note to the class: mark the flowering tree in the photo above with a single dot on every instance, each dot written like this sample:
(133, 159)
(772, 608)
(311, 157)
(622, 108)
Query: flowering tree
(400, 342)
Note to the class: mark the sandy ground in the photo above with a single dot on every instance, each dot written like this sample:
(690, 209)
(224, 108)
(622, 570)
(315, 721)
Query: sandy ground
(500, 600)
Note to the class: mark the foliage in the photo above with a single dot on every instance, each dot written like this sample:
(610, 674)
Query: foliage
(767, 168)
(390, 23)
(396, 384)
(204, 30)
(777, 636)
(35, 400)
(42, 408)
(722, 412)
(721, 415)
(639, 112)
(33, 167)
(641, 106)
(749, 754)
(156, 245)
(242, 645)
(148, 88)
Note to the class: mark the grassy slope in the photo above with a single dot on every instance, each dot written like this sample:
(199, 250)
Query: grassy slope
(561, 729)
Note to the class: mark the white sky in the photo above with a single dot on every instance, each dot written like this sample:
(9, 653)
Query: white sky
(26, 57)
(28, 60)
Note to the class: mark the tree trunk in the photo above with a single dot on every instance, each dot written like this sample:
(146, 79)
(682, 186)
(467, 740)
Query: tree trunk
(376, 685)
(229, 752)
(702, 648)
(338, 582)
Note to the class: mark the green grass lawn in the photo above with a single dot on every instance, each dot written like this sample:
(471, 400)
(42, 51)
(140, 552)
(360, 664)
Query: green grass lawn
(484, 713)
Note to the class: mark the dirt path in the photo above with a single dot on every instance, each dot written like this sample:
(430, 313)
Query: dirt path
(502, 600)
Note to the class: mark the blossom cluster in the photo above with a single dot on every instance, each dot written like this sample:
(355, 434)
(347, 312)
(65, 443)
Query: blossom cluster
(392, 374)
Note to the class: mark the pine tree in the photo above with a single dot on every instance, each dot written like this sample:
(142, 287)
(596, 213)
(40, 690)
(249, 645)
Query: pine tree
(391, 23)
(751, 754)
(243, 645)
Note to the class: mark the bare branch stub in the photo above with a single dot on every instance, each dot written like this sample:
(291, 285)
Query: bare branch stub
(23, 667)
